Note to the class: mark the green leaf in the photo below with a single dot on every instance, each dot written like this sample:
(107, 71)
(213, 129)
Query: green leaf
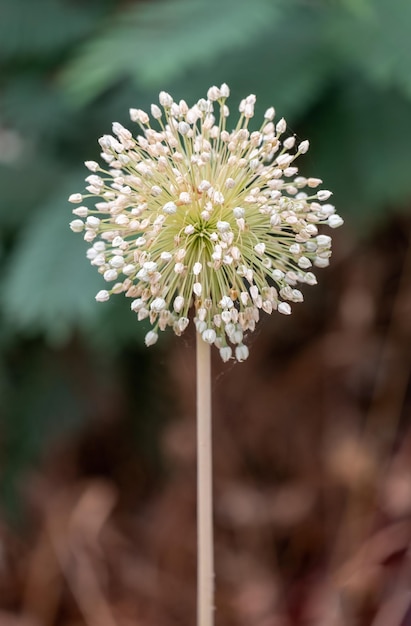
(159, 41)
(287, 67)
(376, 41)
(360, 141)
(48, 285)
(31, 104)
(46, 27)
(23, 183)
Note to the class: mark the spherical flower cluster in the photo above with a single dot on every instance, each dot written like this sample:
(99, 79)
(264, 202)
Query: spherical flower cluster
(190, 214)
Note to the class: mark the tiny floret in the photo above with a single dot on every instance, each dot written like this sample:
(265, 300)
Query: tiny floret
(77, 226)
(324, 194)
(93, 166)
(151, 338)
(170, 208)
(76, 198)
(102, 296)
(334, 221)
(241, 353)
(198, 219)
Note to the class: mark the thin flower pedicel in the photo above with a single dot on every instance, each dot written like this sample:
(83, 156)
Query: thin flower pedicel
(190, 213)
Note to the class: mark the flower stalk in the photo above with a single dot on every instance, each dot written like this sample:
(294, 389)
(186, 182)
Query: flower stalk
(205, 543)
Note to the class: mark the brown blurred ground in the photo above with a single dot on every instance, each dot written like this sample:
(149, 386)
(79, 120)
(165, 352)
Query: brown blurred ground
(312, 475)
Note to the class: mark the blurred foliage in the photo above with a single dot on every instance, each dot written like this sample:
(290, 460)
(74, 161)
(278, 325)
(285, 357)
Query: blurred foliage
(338, 70)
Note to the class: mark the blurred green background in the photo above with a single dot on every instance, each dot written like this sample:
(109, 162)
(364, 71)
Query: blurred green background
(80, 394)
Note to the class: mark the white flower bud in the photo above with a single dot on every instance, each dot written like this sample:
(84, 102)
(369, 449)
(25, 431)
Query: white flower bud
(183, 107)
(201, 326)
(213, 93)
(158, 304)
(226, 302)
(260, 248)
(93, 166)
(254, 293)
(241, 353)
(81, 211)
(117, 261)
(284, 159)
(137, 115)
(303, 146)
(324, 241)
(324, 194)
(151, 338)
(185, 197)
(197, 267)
(192, 115)
(304, 262)
(334, 221)
(321, 261)
(223, 227)
(310, 278)
(197, 288)
(238, 212)
(201, 313)
(281, 126)
(75, 198)
(92, 221)
(226, 353)
(155, 111)
(182, 323)
(77, 226)
(110, 275)
(165, 99)
(225, 90)
(289, 143)
(183, 128)
(267, 306)
(179, 268)
(178, 303)
(137, 304)
(284, 308)
(297, 296)
(249, 110)
(102, 296)
(170, 208)
(218, 197)
(313, 182)
(142, 314)
(226, 317)
(290, 171)
(209, 335)
(277, 275)
(150, 266)
(269, 114)
(204, 186)
(327, 209)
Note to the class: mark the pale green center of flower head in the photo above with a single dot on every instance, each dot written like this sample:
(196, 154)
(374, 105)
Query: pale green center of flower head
(190, 214)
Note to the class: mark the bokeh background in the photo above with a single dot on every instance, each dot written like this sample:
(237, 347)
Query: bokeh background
(312, 434)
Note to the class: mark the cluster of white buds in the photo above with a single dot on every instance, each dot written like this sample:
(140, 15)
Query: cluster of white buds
(190, 214)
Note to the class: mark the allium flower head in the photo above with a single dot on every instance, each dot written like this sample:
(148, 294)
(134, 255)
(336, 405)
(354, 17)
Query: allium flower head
(190, 213)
